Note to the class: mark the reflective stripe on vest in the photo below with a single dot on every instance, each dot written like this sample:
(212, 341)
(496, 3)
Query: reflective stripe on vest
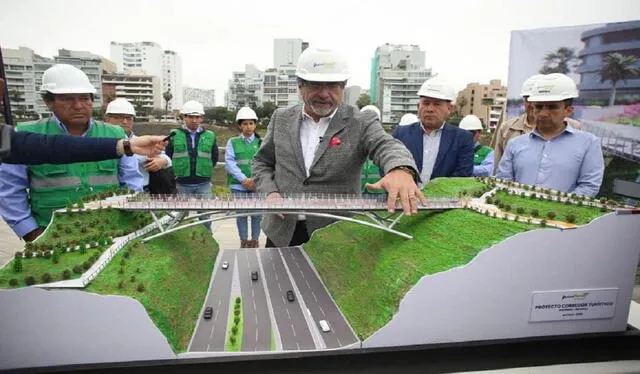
(243, 162)
(204, 154)
(55, 182)
(180, 154)
(185, 165)
(102, 179)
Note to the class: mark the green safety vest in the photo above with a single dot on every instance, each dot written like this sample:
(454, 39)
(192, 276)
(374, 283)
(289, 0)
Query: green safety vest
(370, 174)
(181, 159)
(481, 152)
(52, 186)
(244, 153)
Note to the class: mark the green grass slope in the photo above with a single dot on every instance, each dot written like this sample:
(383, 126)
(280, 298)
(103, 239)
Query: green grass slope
(174, 270)
(369, 271)
(449, 187)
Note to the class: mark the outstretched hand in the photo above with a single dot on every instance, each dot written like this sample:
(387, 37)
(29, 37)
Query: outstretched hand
(148, 145)
(400, 185)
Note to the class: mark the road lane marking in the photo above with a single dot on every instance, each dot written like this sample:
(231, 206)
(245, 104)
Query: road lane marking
(321, 310)
(307, 282)
(254, 305)
(314, 296)
(294, 332)
(339, 342)
(280, 287)
(211, 334)
(288, 314)
(208, 346)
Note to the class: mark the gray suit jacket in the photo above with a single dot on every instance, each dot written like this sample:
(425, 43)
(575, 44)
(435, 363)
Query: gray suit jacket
(279, 165)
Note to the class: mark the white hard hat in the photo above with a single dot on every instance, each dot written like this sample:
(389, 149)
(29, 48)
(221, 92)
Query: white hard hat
(120, 106)
(553, 87)
(437, 88)
(471, 123)
(66, 79)
(528, 84)
(322, 65)
(246, 113)
(371, 108)
(192, 107)
(408, 119)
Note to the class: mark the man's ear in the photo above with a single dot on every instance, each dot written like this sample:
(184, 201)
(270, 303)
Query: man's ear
(568, 111)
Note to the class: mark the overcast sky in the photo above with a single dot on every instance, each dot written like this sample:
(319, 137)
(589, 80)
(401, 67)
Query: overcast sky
(464, 40)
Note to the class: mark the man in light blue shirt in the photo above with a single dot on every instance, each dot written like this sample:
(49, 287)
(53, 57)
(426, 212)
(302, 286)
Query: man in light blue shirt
(554, 155)
(29, 194)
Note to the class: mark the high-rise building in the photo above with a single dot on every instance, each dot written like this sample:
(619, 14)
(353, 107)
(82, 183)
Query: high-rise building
(90, 64)
(245, 88)
(143, 91)
(351, 95)
(20, 79)
(145, 56)
(486, 101)
(287, 51)
(399, 71)
(172, 78)
(205, 96)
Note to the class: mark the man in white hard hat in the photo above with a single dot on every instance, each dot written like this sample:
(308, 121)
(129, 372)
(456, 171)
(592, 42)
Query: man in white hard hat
(482, 155)
(194, 153)
(408, 119)
(120, 112)
(370, 171)
(320, 146)
(238, 155)
(440, 149)
(30, 194)
(520, 125)
(554, 155)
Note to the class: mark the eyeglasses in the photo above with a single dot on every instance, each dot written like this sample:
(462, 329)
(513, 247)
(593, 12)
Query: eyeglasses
(317, 86)
(121, 117)
(540, 106)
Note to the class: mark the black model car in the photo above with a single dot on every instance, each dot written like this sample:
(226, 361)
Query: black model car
(254, 275)
(208, 312)
(291, 296)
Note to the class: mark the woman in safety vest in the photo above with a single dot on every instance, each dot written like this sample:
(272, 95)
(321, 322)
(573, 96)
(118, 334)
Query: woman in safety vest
(238, 157)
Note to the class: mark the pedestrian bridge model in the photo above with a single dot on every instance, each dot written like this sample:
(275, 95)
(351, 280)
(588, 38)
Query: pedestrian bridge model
(371, 210)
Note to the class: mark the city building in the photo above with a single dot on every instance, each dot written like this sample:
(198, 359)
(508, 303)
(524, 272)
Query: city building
(172, 78)
(351, 95)
(287, 51)
(622, 38)
(149, 58)
(397, 72)
(90, 64)
(281, 86)
(245, 88)
(486, 101)
(145, 56)
(206, 96)
(20, 79)
(143, 91)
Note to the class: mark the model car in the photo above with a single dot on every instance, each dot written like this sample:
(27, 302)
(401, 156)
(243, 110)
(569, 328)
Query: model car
(291, 296)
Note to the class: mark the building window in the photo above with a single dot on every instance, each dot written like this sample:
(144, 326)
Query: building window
(473, 92)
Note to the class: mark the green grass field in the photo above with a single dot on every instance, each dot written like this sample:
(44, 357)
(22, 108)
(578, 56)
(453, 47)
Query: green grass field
(368, 271)
(175, 271)
(449, 187)
(39, 265)
(79, 226)
(584, 214)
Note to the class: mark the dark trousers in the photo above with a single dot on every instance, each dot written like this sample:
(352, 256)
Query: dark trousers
(300, 235)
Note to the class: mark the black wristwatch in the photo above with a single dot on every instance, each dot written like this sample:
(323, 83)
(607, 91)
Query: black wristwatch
(126, 146)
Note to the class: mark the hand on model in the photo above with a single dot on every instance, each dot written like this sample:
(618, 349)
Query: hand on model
(400, 185)
(249, 184)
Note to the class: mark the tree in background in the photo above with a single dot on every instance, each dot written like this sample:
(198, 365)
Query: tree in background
(167, 96)
(219, 114)
(617, 67)
(458, 108)
(562, 60)
(363, 100)
(266, 110)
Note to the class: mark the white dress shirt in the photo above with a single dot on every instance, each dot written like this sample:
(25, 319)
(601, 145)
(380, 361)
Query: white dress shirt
(311, 133)
(430, 148)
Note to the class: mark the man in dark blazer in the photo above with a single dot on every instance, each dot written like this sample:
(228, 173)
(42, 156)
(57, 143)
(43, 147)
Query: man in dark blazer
(320, 145)
(439, 149)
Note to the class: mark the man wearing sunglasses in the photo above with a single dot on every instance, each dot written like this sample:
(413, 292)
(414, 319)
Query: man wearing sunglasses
(320, 146)
(554, 155)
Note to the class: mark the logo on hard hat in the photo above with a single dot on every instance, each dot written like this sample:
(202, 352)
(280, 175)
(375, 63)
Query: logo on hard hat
(326, 64)
(545, 89)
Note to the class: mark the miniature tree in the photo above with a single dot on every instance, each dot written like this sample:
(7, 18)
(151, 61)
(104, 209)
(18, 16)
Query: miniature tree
(571, 218)
(232, 339)
(489, 200)
(66, 274)
(17, 265)
(551, 214)
(543, 223)
(520, 210)
(507, 207)
(55, 257)
(30, 280)
(133, 278)
(140, 287)
(236, 320)
(13, 282)
(46, 278)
